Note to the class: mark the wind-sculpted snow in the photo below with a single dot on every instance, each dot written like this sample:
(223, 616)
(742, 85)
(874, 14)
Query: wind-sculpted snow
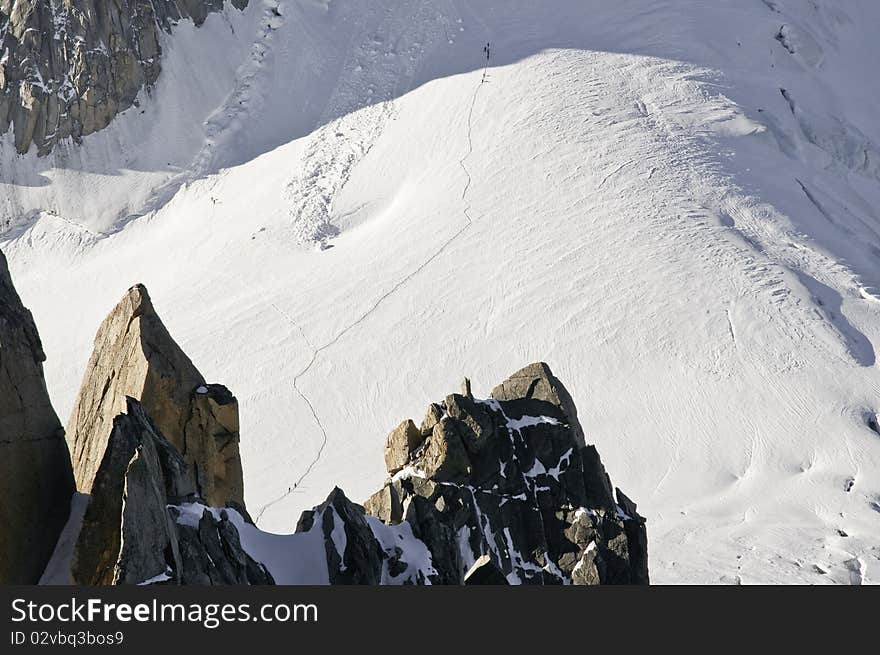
(695, 253)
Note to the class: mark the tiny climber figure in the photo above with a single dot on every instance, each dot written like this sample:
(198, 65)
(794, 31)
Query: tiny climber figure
(486, 50)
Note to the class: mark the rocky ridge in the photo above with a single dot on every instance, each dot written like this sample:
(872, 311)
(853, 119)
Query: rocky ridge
(68, 67)
(501, 490)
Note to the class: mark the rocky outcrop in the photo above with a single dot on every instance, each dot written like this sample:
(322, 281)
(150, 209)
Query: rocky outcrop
(69, 66)
(154, 446)
(146, 524)
(403, 439)
(354, 555)
(135, 356)
(484, 492)
(36, 482)
(496, 491)
(360, 549)
(210, 440)
(502, 490)
(484, 572)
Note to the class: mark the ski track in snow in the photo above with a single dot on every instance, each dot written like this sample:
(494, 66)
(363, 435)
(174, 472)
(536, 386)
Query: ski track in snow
(375, 306)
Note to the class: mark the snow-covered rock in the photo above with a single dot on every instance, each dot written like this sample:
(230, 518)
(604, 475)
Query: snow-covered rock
(513, 497)
(523, 489)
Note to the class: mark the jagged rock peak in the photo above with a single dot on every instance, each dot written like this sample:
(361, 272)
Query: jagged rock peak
(360, 549)
(494, 491)
(359, 560)
(502, 489)
(70, 66)
(36, 482)
(145, 522)
(536, 382)
(135, 356)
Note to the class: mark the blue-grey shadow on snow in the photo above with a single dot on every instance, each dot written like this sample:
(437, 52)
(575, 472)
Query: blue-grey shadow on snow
(830, 303)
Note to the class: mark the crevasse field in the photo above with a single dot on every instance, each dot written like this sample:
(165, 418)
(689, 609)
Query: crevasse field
(339, 212)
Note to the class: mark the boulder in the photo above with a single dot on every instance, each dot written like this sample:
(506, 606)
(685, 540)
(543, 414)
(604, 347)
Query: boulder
(36, 481)
(401, 442)
(385, 505)
(432, 418)
(444, 456)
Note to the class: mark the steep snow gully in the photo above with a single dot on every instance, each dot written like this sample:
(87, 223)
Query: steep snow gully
(484, 79)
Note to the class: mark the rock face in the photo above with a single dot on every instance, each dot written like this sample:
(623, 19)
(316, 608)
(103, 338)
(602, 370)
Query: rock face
(354, 555)
(69, 66)
(145, 523)
(36, 482)
(401, 442)
(361, 549)
(495, 491)
(136, 357)
(211, 436)
(502, 490)
(485, 492)
(154, 445)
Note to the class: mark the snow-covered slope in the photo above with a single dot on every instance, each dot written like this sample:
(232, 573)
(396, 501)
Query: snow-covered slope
(674, 203)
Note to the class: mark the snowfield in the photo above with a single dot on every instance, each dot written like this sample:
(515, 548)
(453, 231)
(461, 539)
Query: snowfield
(674, 203)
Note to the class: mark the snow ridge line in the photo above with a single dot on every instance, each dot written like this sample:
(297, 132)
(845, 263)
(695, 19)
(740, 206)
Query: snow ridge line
(375, 306)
